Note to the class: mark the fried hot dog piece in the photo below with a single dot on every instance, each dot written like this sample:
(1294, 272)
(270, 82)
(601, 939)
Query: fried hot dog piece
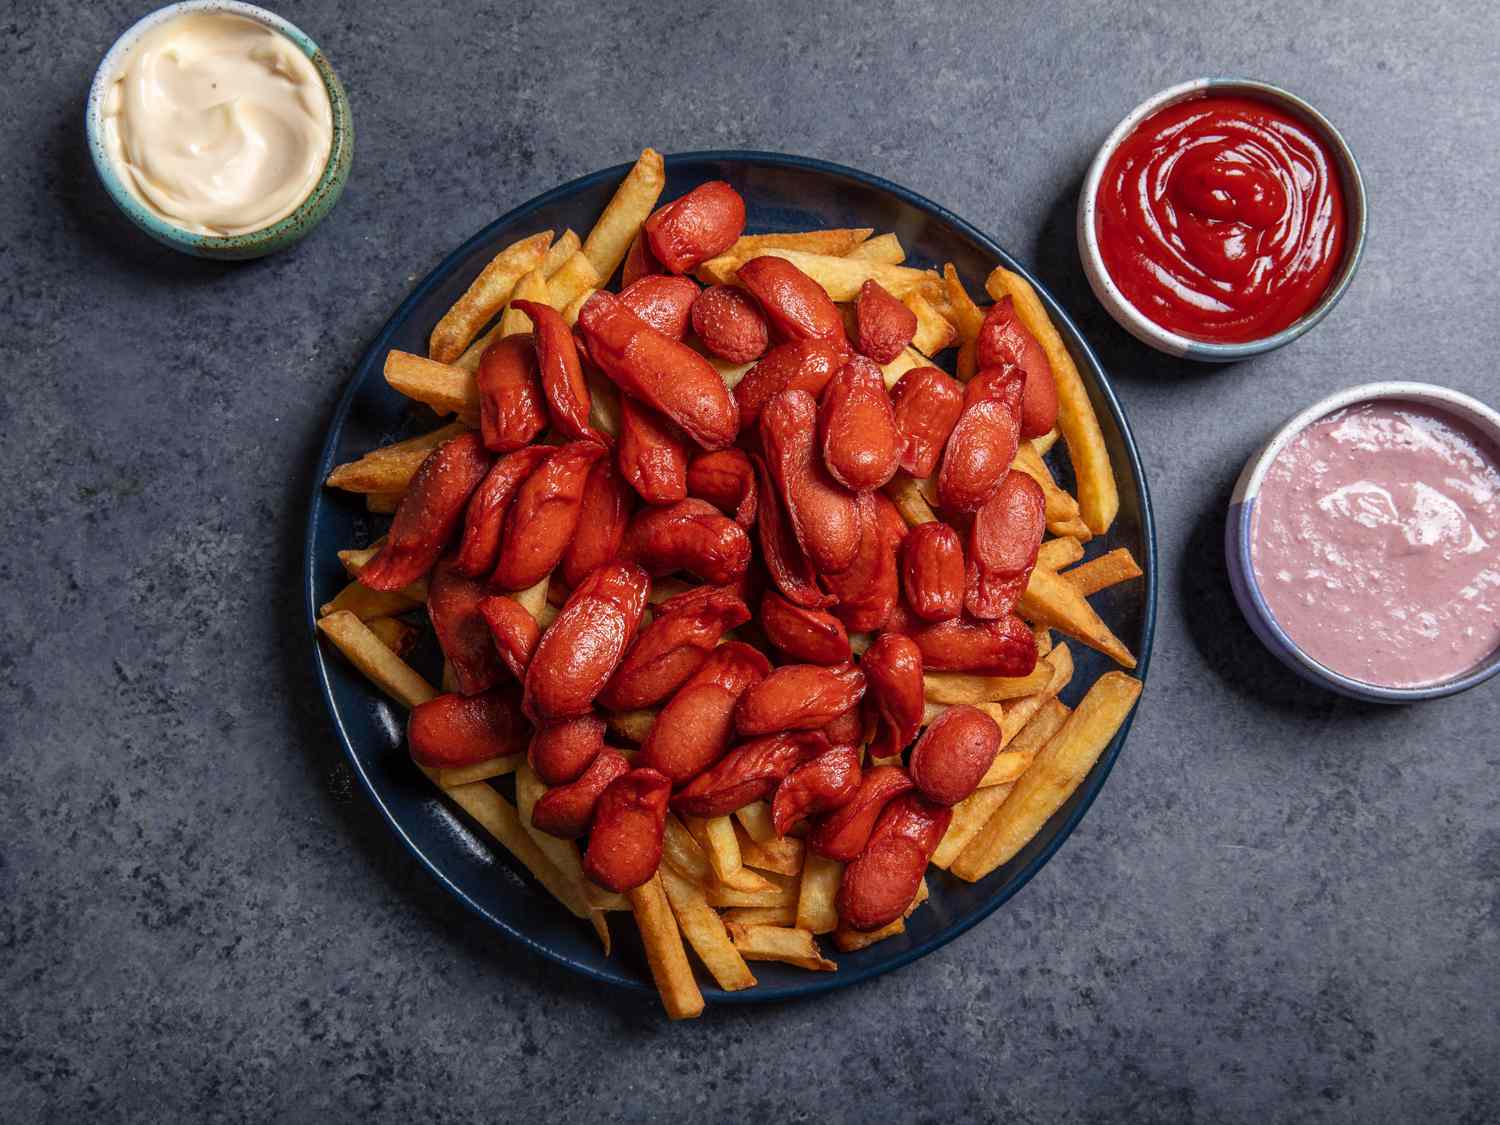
(1003, 543)
(458, 730)
(625, 842)
(822, 784)
(797, 307)
(694, 729)
(1003, 339)
(566, 810)
(842, 834)
(749, 772)
(695, 227)
(577, 655)
(544, 516)
(881, 882)
(951, 757)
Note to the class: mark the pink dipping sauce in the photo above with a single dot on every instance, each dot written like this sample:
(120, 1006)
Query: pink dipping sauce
(1376, 543)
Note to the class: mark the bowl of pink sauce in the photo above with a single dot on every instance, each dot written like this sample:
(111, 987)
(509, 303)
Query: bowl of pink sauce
(1363, 542)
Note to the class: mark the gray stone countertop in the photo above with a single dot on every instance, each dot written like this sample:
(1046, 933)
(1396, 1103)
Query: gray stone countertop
(1283, 906)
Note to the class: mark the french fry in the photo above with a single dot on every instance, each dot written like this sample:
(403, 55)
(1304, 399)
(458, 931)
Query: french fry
(966, 366)
(1018, 755)
(885, 248)
(577, 276)
(1050, 599)
(762, 915)
(705, 932)
(633, 726)
(1018, 712)
(1062, 509)
(965, 687)
(630, 206)
(534, 597)
(394, 633)
(383, 503)
(390, 468)
(1061, 766)
(1060, 552)
(684, 853)
(664, 952)
(861, 642)
(381, 666)
(834, 240)
(779, 943)
(563, 854)
(756, 818)
(731, 373)
(842, 277)
(1045, 442)
(850, 941)
(445, 388)
(930, 712)
(367, 604)
(486, 296)
(716, 836)
(908, 359)
(965, 314)
(906, 493)
(532, 287)
(974, 811)
(1107, 570)
(449, 682)
(934, 332)
(1098, 494)
(560, 251)
(817, 891)
(479, 771)
(604, 402)
(575, 306)
(783, 856)
(356, 559)
(499, 818)
(1043, 640)
(780, 891)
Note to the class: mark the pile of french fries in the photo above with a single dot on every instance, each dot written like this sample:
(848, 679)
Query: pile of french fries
(734, 890)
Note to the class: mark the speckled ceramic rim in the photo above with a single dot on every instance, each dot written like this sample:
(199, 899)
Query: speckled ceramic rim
(277, 236)
(820, 982)
(1239, 541)
(1148, 331)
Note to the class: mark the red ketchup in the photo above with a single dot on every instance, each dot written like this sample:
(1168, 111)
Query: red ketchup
(1221, 218)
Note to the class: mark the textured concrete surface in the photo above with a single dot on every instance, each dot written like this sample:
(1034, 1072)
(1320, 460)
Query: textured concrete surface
(1283, 906)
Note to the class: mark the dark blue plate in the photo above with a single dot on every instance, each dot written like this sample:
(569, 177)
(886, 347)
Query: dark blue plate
(781, 193)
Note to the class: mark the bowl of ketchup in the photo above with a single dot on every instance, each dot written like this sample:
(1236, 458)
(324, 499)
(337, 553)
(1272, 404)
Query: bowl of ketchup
(1220, 219)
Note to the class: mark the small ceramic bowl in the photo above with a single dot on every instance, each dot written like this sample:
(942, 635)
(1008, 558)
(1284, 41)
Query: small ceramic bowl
(1148, 331)
(1238, 541)
(256, 244)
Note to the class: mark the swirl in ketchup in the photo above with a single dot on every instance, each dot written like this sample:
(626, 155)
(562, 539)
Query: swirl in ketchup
(1221, 218)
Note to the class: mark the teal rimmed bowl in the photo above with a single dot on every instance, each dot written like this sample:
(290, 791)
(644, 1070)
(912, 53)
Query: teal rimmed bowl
(256, 244)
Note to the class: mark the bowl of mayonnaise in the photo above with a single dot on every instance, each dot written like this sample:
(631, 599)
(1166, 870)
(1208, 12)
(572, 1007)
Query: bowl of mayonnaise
(220, 129)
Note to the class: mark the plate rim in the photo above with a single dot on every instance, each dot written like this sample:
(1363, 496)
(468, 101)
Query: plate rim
(820, 982)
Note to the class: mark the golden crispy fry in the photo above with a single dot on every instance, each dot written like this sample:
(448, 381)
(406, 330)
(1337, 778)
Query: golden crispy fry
(969, 816)
(716, 836)
(562, 854)
(576, 276)
(1043, 640)
(664, 952)
(705, 932)
(842, 277)
(394, 633)
(780, 855)
(384, 668)
(512, 322)
(1107, 570)
(486, 296)
(1051, 600)
(534, 597)
(884, 248)
(930, 712)
(1018, 712)
(666, 588)
(633, 726)
(965, 314)
(850, 941)
(1098, 494)
(778, 943)
(819, 888)
(762, 915)
(860, 642)
(835, 240)
(903, 363)
(604, 403)
(966, 366)
(447, 389)
(1062, 509)
(1043, 445)
(756, 818)
(684, 853)
(575, 306)
(383, 503)
(630, 206)
(1063, 763)
(779, 891)
(390, 468)
(561, 250)
(366, 603)
(934, 332)
(731, 373)
(1019, 753)
(965, 687)
(1058, 553)
(906, 493)
(479, 771)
